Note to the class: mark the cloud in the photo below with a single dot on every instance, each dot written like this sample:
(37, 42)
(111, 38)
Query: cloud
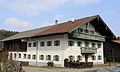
(31, 7)
(85, 2)
(14, 23)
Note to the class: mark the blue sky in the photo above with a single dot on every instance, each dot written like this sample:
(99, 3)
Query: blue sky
(21, 15)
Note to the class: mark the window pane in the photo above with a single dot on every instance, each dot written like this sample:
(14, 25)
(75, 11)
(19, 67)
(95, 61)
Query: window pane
(24, 56)
(34, 44)
(57, 43)
(29, 44)
(93, 45)
(71, 43)
(99, 45)
(99, 57)
(15, 55)
(29, 56)
(79, 58)
(42, 43)
(48, 57)
(56, 58)
(41, 57)
(79, 43)
(93, 57)
(19, 56)
(49, 43)
(34, 57)
(91, 32)
(86, 31)
(86, 44)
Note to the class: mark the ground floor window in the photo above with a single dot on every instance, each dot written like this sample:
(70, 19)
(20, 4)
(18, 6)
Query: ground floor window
(41, 57)
(48, 57)
(15, 55)
(71, 58)
(56, 58)
(19, 56)
(93, 57)
(34, 57)
(29, 56)
(79, 58)
(99, 57)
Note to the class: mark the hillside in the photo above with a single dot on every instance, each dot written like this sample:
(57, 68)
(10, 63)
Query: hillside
(5, 33)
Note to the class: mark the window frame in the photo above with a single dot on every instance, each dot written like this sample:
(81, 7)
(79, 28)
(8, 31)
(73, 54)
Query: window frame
(29, 44)
(49, 43)
(41, 57)
(71, 43)
(56, 57)
(57, 43)
(42, 43)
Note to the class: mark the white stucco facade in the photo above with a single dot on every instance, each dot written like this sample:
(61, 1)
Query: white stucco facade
(63, 51)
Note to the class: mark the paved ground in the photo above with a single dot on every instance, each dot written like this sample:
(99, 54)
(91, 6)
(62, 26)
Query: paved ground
(31, 69)
(99, 69)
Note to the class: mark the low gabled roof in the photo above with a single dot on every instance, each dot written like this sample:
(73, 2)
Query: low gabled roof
(65, 27)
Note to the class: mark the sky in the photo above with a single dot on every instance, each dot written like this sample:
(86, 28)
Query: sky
(22, 15)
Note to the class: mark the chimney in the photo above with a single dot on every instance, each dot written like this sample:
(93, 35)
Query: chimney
(56, 21)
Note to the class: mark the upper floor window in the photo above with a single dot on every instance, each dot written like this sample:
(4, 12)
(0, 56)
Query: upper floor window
(70, 43)
(86, 31)
(79, 43)
(91, 32)
(29, 44)
(57, 43)
(80, 30)
(93, 45)
(34, 44)
(42, 43)
(49, 43)
(99, 45)
(86, 44)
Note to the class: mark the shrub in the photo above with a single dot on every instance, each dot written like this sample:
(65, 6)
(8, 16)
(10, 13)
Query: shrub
(50, 64)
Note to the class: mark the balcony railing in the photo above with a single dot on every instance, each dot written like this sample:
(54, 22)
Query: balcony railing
(88, 36)
(88, 50)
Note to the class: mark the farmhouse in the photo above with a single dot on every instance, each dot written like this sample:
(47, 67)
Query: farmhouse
(78, 39)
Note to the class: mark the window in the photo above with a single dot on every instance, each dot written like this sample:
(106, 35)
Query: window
(86, 44)
(80, 30)
(93, 45)
(99, 45)
(56, 58)
(57, 43)
(34, 57)
(48, 57)
(19, 56)
(93, 57)
(29, 56)
(99, 57)
(41, 57)
(91, 32)
(71, 58)
(79, 43)
(34, 44)
(86, 31)
(24, 56)
(29, 44)
(79, 58)
(71, 43)
(42, 43)
(15, 55)
(49, 43)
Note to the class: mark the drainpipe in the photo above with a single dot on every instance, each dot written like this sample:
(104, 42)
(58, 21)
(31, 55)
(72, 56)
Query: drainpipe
(36, 53)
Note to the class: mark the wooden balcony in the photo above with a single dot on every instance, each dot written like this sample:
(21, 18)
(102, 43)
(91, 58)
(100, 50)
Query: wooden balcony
(88, 50)
(88, 36)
